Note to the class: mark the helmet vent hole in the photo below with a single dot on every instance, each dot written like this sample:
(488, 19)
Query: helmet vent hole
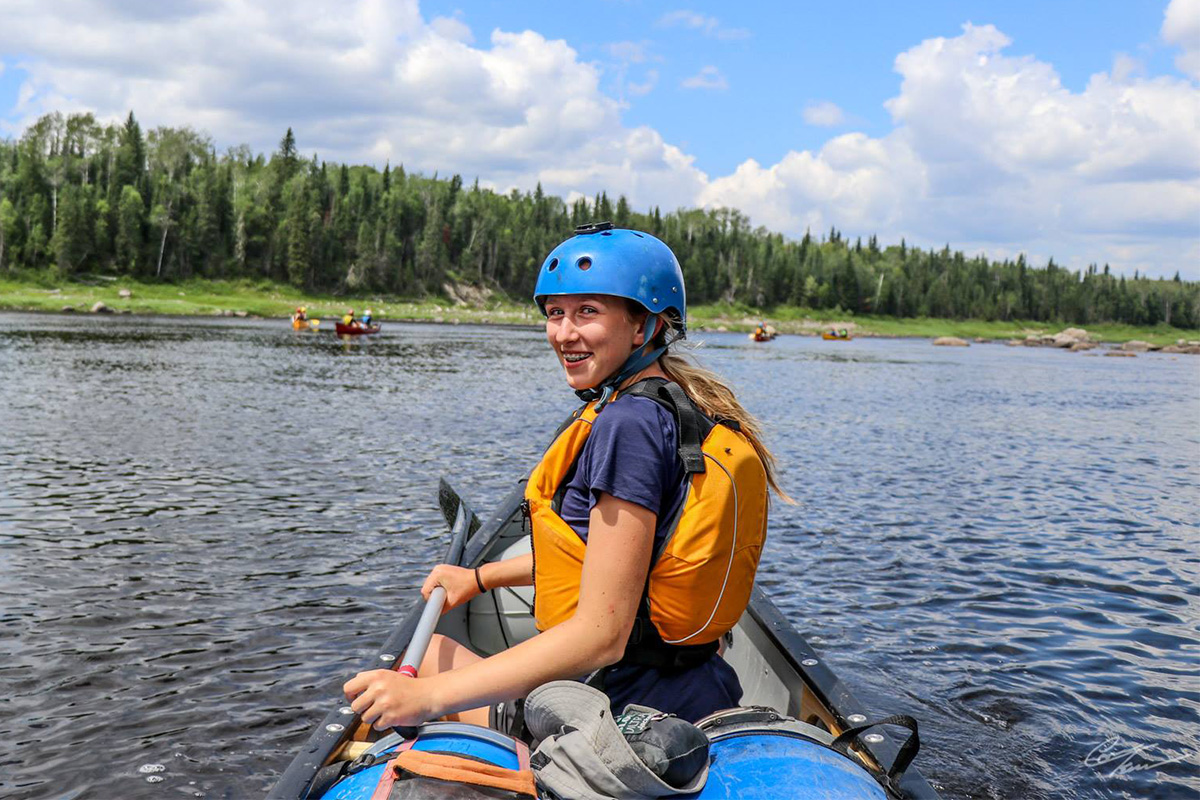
(584, 263)
(607, 233)
(553, 265)
(635, 233)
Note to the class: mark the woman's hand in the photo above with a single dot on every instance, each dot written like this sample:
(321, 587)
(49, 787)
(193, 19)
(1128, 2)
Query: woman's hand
(458, 582)
(385, 699)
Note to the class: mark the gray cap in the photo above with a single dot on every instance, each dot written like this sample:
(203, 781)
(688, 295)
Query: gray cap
(586, 754)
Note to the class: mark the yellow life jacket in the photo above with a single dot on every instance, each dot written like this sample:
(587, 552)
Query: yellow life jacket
(701, 578)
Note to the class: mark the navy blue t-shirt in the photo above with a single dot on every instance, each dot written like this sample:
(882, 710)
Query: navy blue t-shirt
(632, 454)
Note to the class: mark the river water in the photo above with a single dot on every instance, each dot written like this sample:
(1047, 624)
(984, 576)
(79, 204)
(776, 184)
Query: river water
(207, 525)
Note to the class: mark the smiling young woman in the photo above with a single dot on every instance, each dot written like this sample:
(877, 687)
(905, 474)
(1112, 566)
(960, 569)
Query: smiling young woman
(648, 511)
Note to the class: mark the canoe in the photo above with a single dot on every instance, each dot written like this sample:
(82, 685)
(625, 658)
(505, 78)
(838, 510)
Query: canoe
(786, 684)
(356, 330)
(306, 324)
(833, 337)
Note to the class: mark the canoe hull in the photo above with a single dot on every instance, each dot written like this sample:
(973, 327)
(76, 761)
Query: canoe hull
(356, 330)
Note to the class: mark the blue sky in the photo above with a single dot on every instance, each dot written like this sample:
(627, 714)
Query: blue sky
(797, 53)
(1065, 129)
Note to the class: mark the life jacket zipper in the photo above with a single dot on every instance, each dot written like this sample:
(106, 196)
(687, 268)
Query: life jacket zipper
(527, 528)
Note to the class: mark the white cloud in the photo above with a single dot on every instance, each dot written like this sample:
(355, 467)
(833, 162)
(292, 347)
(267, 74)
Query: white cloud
(824, 114)
(646, 86)
(369, 80)
(628, 52)
(1181, 27)
(626, 55)
(452, 28)
(709, 26)
(991, 152)
(707, 78)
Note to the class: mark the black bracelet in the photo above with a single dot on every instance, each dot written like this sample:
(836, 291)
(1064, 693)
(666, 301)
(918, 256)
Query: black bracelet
(479, 582)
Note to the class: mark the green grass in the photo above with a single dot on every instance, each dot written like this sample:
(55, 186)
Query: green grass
(42, 292)
(256, 298)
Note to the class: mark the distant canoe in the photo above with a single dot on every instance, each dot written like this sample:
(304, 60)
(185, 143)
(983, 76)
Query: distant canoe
(836, 337)
(356, 330)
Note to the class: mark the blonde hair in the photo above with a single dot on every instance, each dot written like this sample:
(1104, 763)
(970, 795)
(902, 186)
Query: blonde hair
(712, 396)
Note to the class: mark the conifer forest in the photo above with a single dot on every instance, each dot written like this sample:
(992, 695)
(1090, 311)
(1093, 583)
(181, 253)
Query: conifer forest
(80, 197)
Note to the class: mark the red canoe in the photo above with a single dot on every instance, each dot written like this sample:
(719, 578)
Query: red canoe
(356, 329)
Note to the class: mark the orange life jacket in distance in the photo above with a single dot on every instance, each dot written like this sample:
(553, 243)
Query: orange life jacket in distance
(701, 577)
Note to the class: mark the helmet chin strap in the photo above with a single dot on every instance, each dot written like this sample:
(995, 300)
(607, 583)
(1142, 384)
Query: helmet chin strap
(638, 360)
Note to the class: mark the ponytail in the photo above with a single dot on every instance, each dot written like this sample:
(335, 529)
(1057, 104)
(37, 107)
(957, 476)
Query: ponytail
(715, 399)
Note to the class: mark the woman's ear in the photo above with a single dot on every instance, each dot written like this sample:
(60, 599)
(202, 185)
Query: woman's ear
(639, 338)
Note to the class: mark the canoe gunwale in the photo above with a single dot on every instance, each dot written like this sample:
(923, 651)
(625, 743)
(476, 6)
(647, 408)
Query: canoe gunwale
(830, 690)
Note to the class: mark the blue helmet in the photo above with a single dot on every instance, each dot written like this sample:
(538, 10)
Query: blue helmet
(601, 259)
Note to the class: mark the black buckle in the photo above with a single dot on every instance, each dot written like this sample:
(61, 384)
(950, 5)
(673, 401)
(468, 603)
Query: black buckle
(592, 227)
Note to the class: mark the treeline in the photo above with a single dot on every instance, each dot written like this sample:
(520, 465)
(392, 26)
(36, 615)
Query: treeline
(77, 196)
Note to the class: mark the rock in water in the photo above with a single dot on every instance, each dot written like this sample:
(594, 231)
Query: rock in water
(1120, 354)
(1137, 346)
(950, 341)
(1070, 337)
(100, 308)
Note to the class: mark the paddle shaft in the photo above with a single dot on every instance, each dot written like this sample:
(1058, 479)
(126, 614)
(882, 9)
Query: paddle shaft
(424, 633)
(419, 643)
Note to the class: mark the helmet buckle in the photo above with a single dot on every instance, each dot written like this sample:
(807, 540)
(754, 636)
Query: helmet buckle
(593, 227)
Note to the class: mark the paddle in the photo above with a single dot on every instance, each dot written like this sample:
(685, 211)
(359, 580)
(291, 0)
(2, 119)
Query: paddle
(463, 524)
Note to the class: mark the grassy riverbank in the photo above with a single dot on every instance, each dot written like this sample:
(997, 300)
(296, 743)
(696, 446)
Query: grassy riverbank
(267, 299)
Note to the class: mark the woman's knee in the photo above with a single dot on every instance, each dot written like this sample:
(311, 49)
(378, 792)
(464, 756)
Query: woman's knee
(443, 655)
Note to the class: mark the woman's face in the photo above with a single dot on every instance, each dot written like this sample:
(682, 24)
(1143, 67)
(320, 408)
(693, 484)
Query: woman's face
(592, 336)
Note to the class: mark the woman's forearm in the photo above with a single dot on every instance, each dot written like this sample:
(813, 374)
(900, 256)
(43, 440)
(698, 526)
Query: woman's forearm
(515, 571)
(566, 650)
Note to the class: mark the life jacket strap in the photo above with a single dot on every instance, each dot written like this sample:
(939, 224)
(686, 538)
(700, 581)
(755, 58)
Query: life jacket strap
(692, 425)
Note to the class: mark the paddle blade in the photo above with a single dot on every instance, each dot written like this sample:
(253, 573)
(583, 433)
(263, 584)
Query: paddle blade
(449, 501)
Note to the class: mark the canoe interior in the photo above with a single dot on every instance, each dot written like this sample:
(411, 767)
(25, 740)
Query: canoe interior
(776, 666)
(495, 621)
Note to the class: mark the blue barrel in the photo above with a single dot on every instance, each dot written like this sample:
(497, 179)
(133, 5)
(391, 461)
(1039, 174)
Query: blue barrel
(441, 737)
(774, 765)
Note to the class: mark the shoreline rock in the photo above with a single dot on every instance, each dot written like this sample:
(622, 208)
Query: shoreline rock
(951, 341)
